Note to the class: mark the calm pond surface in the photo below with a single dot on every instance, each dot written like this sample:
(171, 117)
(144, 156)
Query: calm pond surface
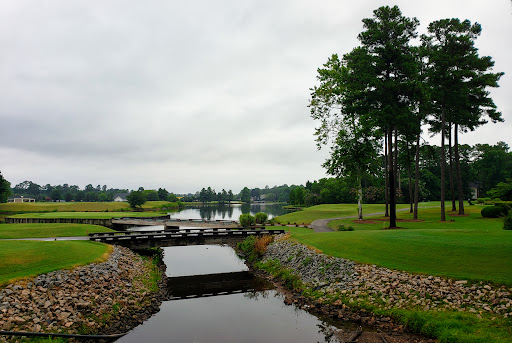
(228, 212)
(213, 298)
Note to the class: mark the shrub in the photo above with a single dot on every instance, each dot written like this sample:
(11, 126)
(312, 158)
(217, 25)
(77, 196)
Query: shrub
(261, 217)
(507, 223)
(345, 228)
(482, 200)
(246, 220)
(255, 247)
(493, 212)
(506, 205)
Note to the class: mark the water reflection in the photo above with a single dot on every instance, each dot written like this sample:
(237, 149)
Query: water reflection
(203, 310)
(228, 212)
(194, 286)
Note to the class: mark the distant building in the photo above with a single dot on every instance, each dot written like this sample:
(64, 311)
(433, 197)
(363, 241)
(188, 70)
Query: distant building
(475, 190)
(120, 197)
(20, 199)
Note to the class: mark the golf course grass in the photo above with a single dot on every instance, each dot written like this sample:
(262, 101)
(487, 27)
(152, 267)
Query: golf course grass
(76, 206)
(469, 247)
(21, 259)
(13, 231)
(310, 214)
(88, 215)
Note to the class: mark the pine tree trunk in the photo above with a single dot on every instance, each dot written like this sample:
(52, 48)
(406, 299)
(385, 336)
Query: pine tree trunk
(452, 188)
(386, 175)
(417, 179)
(360, 200)
(392, 183)
(443, 164)
(457, 166)
(410, 180)
(395, 168)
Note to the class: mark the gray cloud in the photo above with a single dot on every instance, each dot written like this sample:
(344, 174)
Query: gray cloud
(187, 94)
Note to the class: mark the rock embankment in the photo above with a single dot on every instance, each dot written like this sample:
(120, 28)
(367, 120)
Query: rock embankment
(385, 288)
(100, 298)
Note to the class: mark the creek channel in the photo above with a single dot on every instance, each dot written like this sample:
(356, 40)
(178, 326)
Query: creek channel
(213, 297)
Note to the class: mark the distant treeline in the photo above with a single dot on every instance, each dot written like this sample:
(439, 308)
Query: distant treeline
(483, 167)
(486, 169)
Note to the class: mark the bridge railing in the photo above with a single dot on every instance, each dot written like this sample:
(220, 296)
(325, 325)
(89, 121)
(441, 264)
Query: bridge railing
(177, 235)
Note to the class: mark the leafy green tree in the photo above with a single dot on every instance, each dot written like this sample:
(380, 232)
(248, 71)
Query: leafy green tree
(136, 199)
(503, 191)
(389, 72)
(377, 85)
(56, 195)
(151, 195)
(163, 194)
(291, 197)
(492, 165)
(5, 189)
(458, 78)
(245, 195)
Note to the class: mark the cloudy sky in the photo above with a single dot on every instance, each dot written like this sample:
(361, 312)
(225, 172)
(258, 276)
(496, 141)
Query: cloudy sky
(190, 94)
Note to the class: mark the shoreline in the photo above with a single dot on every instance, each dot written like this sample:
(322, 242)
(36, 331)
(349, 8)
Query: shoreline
(375, 296)
(105, 298)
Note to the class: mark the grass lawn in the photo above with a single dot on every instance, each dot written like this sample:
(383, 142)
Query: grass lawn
(20, 259)
(469, 247)
(313, 213)
(73, 206)
(63, 206)
(10, 231)
(88, 215)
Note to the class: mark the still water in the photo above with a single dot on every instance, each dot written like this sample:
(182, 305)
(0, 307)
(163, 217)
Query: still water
(228, 212)
(213, 298)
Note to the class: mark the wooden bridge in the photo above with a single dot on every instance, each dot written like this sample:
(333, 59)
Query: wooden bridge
(180, 236)
(128, 222)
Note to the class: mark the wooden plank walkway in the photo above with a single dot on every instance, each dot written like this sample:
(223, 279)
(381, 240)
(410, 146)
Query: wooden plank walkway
(141, 239)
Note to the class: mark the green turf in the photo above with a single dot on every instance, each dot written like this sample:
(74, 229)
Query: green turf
(73, 206)
(310, 214)
(470, 247)
(20, 259)
(88, 215)
(10, 231)
(63, 206)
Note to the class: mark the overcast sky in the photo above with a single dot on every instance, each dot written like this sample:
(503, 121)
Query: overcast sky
(190, 94)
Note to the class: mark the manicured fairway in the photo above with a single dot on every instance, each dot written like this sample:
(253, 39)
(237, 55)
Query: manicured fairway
(19, 259)
(74, 206)
(88, 215)
(470, 247)
(63, 206)
(10, 231)
(310, 214)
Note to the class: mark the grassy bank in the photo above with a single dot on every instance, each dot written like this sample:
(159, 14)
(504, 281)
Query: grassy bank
(63, 206)
(22, 259)
(88, 215)
(11, 231)
(309, 214)
(447, 326)
(79, 206)
(470, 247)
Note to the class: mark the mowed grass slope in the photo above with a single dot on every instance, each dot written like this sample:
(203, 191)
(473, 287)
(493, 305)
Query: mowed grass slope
(21, 259)
(74, 206)
(470, 247)
(88, 215)
(12, 231)
(63, 206)
(313, 213)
